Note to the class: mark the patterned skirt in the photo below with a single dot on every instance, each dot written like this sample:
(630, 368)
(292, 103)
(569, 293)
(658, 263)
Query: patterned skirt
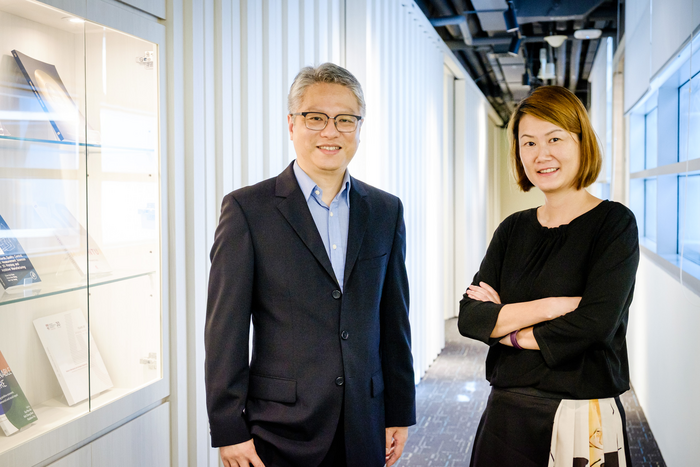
(523, 427)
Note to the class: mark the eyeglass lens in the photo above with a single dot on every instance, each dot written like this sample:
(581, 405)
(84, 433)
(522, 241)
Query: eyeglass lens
(318, 121)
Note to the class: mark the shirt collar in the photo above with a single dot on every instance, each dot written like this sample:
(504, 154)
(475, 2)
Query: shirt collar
(307, 185)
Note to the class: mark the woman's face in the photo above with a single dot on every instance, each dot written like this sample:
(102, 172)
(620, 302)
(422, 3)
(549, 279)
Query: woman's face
(550, 155)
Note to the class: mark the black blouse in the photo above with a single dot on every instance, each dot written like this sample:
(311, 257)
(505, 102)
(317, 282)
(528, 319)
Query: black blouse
(583, 353)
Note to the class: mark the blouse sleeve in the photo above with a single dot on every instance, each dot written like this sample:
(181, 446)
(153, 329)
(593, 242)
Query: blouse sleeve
(604, 306)
(476, 318)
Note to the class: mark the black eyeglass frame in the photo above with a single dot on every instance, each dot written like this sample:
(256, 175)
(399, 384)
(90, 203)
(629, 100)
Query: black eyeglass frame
(304, 114)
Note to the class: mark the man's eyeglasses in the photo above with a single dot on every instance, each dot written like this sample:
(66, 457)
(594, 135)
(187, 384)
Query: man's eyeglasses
(317, 121)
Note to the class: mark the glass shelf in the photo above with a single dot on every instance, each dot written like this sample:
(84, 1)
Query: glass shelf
(54, 286)
(73, 143)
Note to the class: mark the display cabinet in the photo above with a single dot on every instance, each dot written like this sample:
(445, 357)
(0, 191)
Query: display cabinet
(80, 235)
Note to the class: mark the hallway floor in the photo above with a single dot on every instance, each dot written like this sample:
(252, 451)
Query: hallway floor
(452, 395)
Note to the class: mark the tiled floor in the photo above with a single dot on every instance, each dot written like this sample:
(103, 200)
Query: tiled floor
(451, 397)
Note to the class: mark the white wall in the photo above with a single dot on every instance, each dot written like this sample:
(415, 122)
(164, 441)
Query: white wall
(665, 314)
(471, 180)
(664, 363)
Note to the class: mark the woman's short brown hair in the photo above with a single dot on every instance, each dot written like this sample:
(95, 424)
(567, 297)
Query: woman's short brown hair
(561, 107)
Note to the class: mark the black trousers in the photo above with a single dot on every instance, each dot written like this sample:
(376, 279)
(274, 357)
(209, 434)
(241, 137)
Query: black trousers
(336, 454)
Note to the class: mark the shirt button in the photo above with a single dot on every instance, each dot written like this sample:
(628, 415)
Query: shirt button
(339, 381)
(317, 192)
(334, 247)
(331, 214)
(336, 294)
(344, 335)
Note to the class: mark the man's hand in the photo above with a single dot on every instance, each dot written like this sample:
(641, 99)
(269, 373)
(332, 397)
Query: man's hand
(241, 455)
(395, 442)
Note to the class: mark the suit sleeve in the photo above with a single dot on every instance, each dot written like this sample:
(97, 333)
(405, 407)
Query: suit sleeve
(606, 299)
(227, 326)
(476, 318)
(397, 361)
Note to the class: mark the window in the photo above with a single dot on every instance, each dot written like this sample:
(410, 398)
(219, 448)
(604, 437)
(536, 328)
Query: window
(688, 218)
(665, 172)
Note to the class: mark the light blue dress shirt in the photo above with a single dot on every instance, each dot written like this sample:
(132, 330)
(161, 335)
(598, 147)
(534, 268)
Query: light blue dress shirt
(331, 221)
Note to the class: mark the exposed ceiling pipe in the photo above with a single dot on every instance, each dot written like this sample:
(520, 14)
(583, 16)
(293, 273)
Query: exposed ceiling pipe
(575, 64)
(561, 65)
(505, 40)
(447, 20)
(444, 9)
(456, 20)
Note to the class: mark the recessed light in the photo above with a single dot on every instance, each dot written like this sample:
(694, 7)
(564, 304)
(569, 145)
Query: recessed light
(555, 40)
(587, 34)
(73, 19)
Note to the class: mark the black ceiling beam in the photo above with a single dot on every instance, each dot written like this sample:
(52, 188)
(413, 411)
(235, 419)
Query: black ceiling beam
(505, 40)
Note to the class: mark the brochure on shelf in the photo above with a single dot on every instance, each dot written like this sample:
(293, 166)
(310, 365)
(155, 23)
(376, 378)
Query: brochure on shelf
(46, 84)
(72, 235)
(16, 270)
(15, 410)
(65, 339)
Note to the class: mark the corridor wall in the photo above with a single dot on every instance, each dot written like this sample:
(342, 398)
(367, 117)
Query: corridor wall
(666, 309)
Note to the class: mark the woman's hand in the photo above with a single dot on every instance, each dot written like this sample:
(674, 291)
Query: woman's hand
(484, 293)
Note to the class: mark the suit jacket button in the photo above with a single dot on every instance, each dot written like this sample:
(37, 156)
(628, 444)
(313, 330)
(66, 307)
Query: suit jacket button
(339, 381)
(336, 294)
(344, 335)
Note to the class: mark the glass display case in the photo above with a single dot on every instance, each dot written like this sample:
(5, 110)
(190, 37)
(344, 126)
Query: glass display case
(80, 219)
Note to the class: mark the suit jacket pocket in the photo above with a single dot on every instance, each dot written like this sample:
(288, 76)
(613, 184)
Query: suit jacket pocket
(377, 383)
(272, 389)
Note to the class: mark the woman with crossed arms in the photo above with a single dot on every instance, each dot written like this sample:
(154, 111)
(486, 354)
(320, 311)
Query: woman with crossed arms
(551, 298)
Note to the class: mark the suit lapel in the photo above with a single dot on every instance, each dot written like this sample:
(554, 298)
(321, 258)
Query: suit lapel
(294, 208)
(359, 220)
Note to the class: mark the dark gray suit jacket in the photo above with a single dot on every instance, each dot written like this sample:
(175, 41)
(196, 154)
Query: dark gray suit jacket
(314, 348)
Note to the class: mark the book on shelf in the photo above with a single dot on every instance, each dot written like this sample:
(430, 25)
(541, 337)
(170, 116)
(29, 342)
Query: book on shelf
(15, 410)
(16, 270)
(87, 257)
(53, 97)
(65, 337)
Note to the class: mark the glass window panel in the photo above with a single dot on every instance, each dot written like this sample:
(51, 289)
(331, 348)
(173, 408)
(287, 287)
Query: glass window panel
(650, 209)
(650, 140)
(689, 217)
(636, 143)
(689, 120)
(637, 202)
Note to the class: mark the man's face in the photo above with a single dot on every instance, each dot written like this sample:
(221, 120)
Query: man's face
(326, 152)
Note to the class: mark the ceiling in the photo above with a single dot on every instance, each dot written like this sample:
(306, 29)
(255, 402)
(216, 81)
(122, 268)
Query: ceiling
(479, 39)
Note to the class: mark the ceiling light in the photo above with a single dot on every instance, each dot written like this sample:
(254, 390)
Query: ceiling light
(556, 40)
(514, 46)
(73, 19)
(510, 18)
(587, 33)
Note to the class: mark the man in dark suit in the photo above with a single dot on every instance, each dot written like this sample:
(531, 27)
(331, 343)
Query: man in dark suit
(317, 258)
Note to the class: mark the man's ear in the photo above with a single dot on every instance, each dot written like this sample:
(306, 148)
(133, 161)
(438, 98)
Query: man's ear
(290, 122)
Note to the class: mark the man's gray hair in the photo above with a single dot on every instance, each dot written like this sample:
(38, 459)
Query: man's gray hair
(325, 73)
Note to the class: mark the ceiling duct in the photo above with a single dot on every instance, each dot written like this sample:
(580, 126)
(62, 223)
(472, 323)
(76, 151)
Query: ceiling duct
(554, 10)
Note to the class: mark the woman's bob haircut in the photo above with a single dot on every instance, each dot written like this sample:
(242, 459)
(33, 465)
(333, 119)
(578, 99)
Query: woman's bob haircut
(561, 107)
